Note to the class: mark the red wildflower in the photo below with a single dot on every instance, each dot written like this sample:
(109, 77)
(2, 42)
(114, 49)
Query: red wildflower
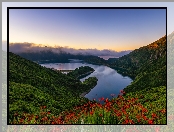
(131, 122)
(118, 114)
(53, 122)
(100, 115)
(102, 98)
(144, 117)
(150, 121)
(144, 110)
(163, 111)
(126, 121)
(154, 115)
(138, 116)
(106, 100)
(91, 113)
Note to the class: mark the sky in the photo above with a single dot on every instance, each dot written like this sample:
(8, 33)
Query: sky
(113, 29)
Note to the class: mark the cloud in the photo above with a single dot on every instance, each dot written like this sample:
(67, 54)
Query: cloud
(31, 47)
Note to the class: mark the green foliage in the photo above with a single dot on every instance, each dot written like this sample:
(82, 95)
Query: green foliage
(146, 65)
(81, 71)
(142, 107)
(31, 86)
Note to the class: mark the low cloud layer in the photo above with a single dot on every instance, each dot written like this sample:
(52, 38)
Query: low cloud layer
(31, 47)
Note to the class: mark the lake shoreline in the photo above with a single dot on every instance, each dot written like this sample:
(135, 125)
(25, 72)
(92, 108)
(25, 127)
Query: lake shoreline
(109, 80)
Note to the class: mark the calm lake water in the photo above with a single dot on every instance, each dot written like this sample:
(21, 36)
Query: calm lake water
(109, 81)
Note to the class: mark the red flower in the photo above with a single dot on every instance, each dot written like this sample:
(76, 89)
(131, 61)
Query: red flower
(118, 114)
(145, 110)
(91, 113)
(163, 111)
(150, 121)
(127, 121)
(53, 122)
(131, 122)
(144, 117)
(100, 115)
(154, 115)
(138, 116)
(106, 100)
(101, 99)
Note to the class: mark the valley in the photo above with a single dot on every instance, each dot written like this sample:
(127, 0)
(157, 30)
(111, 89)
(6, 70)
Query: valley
(45, 90)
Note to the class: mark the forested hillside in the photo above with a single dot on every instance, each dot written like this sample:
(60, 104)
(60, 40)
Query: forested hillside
(32, 86)
(147, 65)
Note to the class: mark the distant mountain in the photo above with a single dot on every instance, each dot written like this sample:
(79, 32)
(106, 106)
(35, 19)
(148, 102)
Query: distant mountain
(147, 65)
(51, 57)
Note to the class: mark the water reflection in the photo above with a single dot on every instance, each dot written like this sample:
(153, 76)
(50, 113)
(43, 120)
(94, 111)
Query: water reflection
(109, 81)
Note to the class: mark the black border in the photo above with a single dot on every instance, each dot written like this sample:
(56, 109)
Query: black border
(8, 8)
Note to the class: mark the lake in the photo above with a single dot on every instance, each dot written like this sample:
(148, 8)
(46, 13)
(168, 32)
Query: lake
(109, 81)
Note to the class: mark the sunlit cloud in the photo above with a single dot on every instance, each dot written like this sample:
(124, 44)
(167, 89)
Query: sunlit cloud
(31, 47)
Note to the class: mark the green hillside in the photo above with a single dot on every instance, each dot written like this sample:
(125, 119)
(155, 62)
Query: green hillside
(32, 86)
(147, 65)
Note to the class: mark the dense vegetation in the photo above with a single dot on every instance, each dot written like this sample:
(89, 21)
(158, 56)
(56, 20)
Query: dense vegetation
(147, 65)
(142, 102)
(121, 110)
(31, 86)
(81, 71)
